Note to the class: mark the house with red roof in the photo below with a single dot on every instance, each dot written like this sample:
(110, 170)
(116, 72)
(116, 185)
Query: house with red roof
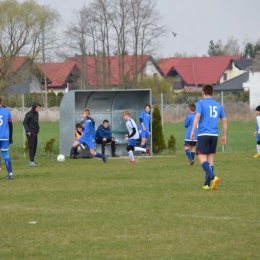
(20, 75)
(61, 76)
(190, 73)
(115, 71)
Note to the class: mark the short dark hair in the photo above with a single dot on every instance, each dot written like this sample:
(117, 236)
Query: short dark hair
(147, 105)
(257, 108)
(192, 107)
(207, 89)
(78, 125)
(105, 121)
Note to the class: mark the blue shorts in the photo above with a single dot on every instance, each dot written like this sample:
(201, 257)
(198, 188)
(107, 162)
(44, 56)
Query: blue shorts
(4, 145)
(207, 144)
(90, 143)
(258, 137)
(144, 134)
(132, 142)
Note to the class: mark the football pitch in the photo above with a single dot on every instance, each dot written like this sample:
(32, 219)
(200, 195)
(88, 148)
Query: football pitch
(155, 209)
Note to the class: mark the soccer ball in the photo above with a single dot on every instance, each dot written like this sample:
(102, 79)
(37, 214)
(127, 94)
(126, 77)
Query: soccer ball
(60, 158)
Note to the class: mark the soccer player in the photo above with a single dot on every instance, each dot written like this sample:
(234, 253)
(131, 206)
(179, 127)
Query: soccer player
(190, 145)
(208, 112)
(104, 136)
(132, 136)
(257, 132)
(32, 128)
(88, 136)
(145, 125)
(6, 133)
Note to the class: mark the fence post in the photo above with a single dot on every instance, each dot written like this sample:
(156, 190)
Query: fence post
(162, 112)
(22, 124)
(222, 103)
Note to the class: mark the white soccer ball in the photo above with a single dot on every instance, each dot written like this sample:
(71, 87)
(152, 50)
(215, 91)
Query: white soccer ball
(60, 158)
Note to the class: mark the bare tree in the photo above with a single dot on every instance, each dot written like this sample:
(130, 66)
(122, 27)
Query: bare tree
(21, 26)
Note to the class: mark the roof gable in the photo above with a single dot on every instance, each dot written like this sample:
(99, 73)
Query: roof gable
(198, 70)
(95, 67)
(234, 84)
(57, 73)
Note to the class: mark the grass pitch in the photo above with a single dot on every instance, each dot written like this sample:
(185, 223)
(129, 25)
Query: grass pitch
(155, 209)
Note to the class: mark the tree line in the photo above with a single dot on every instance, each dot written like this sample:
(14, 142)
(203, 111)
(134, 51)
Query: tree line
(100, 29)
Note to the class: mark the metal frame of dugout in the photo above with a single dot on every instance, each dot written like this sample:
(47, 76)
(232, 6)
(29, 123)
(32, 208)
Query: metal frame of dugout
(103, 104)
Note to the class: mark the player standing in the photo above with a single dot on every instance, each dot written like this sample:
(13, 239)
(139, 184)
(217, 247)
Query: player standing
(6, 132)
(257, 132)
(145, 125)
(190, 145)
(208, 112)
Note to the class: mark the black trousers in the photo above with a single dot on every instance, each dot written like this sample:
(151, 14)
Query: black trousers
(32, 143)
(103, 145)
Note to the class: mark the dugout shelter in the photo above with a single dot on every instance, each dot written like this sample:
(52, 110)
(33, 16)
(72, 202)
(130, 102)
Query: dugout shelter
(103, 104)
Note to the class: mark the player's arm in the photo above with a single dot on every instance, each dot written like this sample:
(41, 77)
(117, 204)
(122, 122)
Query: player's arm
(133, 133)
(186, 122)
(194, 126)
(224, 130)
(25, 123)
(10, 125)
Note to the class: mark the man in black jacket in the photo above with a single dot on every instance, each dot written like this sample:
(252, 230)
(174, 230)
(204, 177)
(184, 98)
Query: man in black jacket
(31, 126)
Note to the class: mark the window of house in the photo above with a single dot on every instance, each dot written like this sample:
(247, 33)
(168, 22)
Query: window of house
(225, 76)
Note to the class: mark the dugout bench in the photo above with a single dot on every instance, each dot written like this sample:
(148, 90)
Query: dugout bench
(103, 104)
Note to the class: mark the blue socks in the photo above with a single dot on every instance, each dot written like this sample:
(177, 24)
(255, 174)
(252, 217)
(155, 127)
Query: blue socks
(8, 164)
(99, 155)
(188, 153)
(208, 170)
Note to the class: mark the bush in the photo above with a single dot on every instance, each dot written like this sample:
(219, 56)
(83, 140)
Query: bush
(49, 147)
(172, 143)
(157, 133)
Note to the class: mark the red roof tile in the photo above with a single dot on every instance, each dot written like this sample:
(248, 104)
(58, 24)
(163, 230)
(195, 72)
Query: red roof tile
(57, 73)
(197, 70)
(94, 71)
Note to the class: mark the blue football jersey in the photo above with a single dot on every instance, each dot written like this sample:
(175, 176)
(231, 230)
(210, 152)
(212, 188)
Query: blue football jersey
(5, 117)
(146, 120)
(89, 130)
(211, 111)
(188, 123)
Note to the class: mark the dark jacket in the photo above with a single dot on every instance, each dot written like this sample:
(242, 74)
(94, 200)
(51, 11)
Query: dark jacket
(31, 120)
(103, 132)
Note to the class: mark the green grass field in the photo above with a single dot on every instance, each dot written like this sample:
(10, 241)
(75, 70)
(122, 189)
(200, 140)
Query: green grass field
(155, 209)
(240, 137)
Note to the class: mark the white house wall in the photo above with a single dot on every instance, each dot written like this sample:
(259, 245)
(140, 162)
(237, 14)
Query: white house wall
(231, 72)
(253, 85)
(150, 70)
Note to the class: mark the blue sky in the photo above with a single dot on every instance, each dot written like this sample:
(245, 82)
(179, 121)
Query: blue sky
(196, 22)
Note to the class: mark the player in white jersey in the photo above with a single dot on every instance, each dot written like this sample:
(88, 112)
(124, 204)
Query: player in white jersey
(132, 136)
(257, 132)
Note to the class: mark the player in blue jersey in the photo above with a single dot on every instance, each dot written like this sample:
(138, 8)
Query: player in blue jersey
(257, 132)
(208, 113)
(6, 133)
(145, 125)
(132, 136)
(88, 136)
(190, 145)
